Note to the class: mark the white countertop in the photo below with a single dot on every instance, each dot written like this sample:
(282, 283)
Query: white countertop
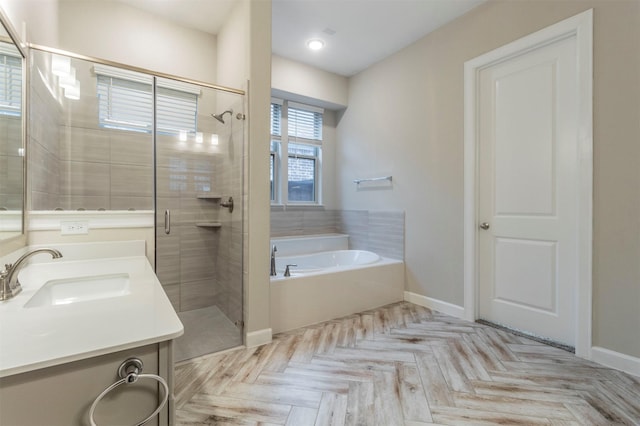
(38, 337)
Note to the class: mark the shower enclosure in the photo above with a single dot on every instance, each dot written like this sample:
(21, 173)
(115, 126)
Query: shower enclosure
(199, 221)
(112, 141)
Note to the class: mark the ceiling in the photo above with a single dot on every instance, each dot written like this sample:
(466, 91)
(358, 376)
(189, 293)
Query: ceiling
(366, 31)
(357, 33)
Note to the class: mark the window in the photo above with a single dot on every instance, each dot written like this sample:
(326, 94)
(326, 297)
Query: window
(276, 133)
(125, 102)
(10, 81)
(303, 160)
(297, 130)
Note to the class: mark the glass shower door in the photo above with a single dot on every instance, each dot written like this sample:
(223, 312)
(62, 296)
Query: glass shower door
(199, 193)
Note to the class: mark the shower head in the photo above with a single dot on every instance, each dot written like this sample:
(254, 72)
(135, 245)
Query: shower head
(219, 116)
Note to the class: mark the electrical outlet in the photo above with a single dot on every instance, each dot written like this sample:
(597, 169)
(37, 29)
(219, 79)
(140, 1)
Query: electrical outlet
(74, 228)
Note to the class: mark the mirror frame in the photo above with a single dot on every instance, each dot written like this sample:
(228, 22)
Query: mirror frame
(19, 241)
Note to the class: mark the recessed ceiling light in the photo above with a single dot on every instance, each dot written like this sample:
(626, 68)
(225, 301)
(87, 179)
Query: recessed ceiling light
(315, 44)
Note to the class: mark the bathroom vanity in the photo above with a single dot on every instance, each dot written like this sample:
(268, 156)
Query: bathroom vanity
(77, 319)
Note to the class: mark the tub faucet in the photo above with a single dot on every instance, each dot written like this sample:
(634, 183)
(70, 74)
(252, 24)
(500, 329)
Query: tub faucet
(287, 273)
(9, 285)
(274, 249)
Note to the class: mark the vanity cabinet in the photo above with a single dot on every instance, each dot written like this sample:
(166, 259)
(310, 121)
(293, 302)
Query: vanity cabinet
(63, 394)
(65, 335)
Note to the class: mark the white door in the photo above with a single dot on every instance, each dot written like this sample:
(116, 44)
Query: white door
(528, 191)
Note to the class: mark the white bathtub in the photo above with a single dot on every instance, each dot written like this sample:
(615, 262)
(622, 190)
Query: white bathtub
(329, 283)
(325, 261)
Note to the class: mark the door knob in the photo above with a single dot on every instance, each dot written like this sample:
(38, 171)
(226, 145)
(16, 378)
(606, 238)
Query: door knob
(484, 225)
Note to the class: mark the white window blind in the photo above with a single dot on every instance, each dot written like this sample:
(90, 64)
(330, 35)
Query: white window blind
(126, 102)
(177, 111)
(304, 122)
(276, 119)
(10, 85)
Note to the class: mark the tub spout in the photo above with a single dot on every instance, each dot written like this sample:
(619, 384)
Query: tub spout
(274, 249)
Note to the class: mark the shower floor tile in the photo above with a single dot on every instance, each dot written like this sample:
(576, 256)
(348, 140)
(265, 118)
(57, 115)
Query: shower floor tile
(206, 331)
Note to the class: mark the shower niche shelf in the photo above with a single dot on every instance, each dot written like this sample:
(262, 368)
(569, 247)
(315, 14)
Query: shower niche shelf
(209, 196)
(212, 225)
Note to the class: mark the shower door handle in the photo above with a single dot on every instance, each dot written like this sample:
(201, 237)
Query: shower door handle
(228, 204)
(167, 222)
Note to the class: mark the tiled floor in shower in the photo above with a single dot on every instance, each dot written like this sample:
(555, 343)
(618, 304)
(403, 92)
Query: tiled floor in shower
(206, 330)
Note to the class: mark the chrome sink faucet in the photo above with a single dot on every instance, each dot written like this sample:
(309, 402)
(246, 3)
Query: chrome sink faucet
(9, 285)
(274, 249)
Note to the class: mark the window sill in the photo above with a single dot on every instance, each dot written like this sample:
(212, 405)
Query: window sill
(296, 207)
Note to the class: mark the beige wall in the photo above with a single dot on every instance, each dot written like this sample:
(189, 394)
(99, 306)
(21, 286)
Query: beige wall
(299, 82)
(257, 223)
(415, 100)
(117, 32)
(244, 53)
(36, 21)
(232, 66)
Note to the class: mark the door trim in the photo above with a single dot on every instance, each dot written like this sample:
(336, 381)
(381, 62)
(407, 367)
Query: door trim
(580, 27)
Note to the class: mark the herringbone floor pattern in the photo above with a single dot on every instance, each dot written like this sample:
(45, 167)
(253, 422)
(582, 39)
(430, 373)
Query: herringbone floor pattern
(403, 364)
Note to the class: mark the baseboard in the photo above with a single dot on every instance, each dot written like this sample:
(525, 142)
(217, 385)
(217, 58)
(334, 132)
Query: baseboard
(617, 360)
(258, 338)
(435, 304)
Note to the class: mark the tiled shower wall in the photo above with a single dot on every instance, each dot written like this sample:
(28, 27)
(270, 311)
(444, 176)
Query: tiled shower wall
(229, 177)
(185, 256)
(201, 266)
(74, 163)
(43, 149)
(381, 232)
(11, 179)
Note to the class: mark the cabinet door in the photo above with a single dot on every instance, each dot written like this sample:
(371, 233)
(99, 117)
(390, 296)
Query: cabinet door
(62, 395)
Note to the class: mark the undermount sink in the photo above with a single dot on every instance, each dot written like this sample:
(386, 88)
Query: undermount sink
(80, 289)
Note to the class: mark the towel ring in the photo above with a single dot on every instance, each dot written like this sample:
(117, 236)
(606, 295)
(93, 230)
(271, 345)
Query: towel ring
(129, 372)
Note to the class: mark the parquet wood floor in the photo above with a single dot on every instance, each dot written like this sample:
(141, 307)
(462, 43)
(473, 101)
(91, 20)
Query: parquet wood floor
(402, 364)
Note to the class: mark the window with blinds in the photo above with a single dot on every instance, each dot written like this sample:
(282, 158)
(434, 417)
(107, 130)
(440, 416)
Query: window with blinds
(177, 111)
(276, 132)
(304, 128)
(296, 145)
(10, 85)
(304, 122)
(127, 104)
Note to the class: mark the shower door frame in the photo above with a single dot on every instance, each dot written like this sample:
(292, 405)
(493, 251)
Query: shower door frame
(239, 323)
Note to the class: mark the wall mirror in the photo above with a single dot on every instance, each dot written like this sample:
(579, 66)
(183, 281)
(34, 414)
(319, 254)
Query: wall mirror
(12, 134)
